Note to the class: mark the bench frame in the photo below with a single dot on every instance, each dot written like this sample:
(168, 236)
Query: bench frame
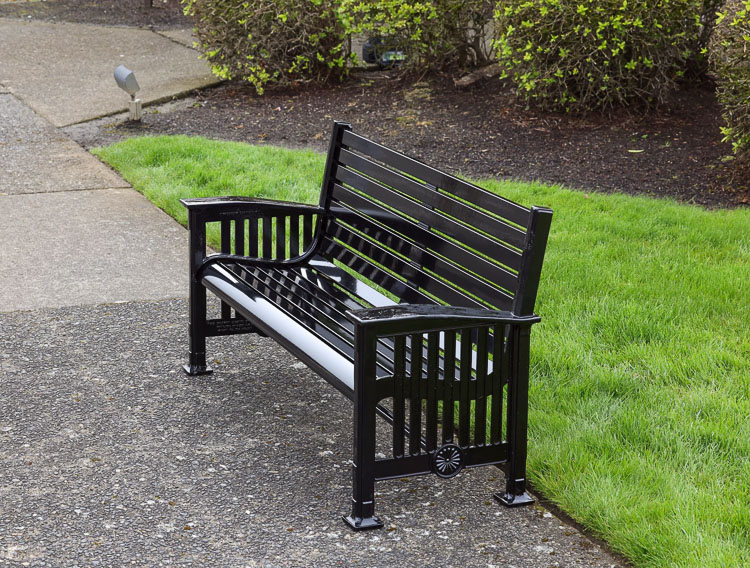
(434, 328)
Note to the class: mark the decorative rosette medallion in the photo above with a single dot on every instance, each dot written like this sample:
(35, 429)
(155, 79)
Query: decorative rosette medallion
(448, 461)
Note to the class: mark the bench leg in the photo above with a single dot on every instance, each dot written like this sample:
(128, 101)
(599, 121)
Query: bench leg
(363, 470)
(197, 330)
(515, 493)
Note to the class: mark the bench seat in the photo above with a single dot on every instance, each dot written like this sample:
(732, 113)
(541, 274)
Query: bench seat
(303, 308)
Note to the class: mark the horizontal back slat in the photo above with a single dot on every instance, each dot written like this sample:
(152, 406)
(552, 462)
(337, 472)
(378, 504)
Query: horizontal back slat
(429, 265)
(462, 234)
(399, 267)
(482, 198)
(440, 201)
(402, 234)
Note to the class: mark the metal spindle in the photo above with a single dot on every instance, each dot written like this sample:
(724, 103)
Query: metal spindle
(239, 236)
(480, 407)
(433, 352)
(498, 375)
(415, 406)
(280, 238)
(267, 238)
(399, 369)
(226, 247)
(252, 237)
(449, 378)
(294, 236)
(464, 405)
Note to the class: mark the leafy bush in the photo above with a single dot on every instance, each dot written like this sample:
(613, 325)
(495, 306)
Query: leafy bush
(272, 41)
(731, 61)
(592, 54)
(433, 34)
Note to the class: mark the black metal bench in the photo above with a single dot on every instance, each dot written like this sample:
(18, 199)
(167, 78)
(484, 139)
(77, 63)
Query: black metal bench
(433, 332)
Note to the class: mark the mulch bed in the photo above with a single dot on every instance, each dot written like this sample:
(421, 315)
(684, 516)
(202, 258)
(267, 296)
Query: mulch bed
(482, 132)
(479, 132)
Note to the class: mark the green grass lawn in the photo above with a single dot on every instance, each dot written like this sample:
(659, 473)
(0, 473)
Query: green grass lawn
(639, 423)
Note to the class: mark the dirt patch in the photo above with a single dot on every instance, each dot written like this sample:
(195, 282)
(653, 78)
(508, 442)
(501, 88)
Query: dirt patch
(479, 132)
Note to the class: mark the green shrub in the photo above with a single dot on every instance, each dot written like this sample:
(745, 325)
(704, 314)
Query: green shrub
(433, 34)
(592, 54)
(272, 41)
(731, 61)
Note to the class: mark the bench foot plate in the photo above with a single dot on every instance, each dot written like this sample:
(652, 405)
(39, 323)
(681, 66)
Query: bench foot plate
(194, 370)
(510, 500)
(362, 524)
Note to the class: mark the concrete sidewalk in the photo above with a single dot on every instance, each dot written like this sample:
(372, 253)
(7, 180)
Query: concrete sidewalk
(109, 455)
(64, 71)
(72, 231)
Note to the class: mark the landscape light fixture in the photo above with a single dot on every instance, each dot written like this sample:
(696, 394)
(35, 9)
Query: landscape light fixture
(125, 79)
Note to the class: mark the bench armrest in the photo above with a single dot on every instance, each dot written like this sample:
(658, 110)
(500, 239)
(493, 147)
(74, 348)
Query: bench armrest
(229, 206)
(234, 211)
(422, 318)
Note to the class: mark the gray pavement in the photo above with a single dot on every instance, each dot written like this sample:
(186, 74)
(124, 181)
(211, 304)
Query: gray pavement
(64, 71)
(87, 247)
(185, 36)
(38, 158)
(110, 456)
(71, 230)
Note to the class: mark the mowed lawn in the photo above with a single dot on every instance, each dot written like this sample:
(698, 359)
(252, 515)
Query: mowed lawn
(639, 424)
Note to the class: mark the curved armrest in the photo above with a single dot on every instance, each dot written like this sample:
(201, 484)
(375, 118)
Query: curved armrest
(205, 210)
(218, 208)
(414, 318)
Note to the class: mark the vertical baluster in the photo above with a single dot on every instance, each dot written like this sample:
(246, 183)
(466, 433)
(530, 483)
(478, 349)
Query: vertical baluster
(415, 406)
(433, 352)
(280, 237)
(252, 237)
(498, 379)
(294, 235)
(480, 407)
(399, 369)
(464, 405)
(226, 247)
(449, 378)
(267, 240)
(239, 236)
(307, 230)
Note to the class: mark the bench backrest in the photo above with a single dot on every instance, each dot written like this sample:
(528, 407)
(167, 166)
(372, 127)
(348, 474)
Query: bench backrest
(426, 236)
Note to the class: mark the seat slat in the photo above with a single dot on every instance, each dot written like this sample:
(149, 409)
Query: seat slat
(504, 207)
(319, 312)
(318, 308)
(325, 328)
(444, 203)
